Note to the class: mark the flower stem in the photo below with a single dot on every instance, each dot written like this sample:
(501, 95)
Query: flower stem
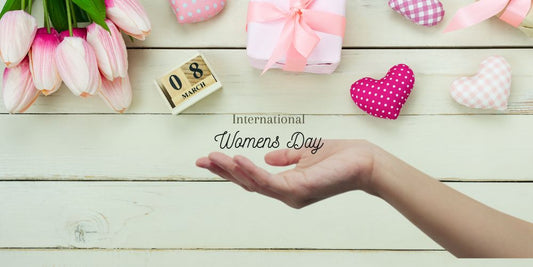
(74, 20)
(69, 17)
(30, 6)
(23, 4)
(46, 16)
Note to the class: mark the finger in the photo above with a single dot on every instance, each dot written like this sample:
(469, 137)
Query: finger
(229, 177)
(203, 162)
(226, 163)
(261, 177)
(223, 161)
(242, 175)
(212, 167)
(284, 157)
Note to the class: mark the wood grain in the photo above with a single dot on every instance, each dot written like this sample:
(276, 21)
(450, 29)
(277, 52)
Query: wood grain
(213, 215)
(231, 258)
(225, 258)
(57, 211)
(245, 91)
(154, 147)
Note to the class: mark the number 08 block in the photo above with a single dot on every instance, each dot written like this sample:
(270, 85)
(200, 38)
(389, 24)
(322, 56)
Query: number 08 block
(187, 84)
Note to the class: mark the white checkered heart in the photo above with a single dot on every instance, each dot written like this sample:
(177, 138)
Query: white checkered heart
(422, 12)
(488, 89)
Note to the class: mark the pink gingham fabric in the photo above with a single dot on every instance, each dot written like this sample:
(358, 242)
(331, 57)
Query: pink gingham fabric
(422, 12)
(488, 89)
(192, 11)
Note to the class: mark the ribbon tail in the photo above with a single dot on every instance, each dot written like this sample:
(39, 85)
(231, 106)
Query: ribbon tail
(304, 42)
(516, 12)
(283, 45)
(305, 38)
(296, 62)
(475, 13)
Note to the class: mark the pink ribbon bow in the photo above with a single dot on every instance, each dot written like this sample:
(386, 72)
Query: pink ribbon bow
(515, 12)
(298, 37)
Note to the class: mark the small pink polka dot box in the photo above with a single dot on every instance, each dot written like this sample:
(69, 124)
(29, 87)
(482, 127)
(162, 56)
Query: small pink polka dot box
(192, 11)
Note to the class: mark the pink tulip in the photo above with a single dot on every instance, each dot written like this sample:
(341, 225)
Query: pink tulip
(117, 93)
(76, 63)
(76, 32)
(110, 50)
(42, 61)
(17, 88)
(17, 30)
(129, 16)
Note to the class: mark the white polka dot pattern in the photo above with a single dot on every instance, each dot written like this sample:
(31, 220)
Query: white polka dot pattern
(490, 88)
(192, 11)
(384, 98)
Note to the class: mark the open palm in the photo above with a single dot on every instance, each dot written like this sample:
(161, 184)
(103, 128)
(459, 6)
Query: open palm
(338, 167)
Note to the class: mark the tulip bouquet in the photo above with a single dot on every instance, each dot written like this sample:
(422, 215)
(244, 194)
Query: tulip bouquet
(89, 60)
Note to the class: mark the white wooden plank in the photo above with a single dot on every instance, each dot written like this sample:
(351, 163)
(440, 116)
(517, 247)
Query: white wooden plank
(164, 147)
(107, 258)
(370, 23)
(213, 215)
(245, 91)
(222, 258)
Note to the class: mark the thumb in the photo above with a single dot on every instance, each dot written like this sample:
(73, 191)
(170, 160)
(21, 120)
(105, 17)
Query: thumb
(284, 157)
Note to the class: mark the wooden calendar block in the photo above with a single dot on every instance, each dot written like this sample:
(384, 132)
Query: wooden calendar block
(188, 83)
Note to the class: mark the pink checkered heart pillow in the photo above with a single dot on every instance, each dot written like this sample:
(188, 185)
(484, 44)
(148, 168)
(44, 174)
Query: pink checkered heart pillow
(191, 11)
(488, 89)
(422, 12)
(386, 97)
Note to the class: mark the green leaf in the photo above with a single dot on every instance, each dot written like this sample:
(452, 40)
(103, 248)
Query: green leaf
(11, 5)
(81, 16)
(58, 14)
(95, 9)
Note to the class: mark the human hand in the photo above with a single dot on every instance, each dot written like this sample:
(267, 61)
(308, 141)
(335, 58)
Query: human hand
(340, 166)
(458, 223)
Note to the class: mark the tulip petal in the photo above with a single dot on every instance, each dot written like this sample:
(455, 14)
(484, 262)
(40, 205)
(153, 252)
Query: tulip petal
(18, 91)
(42, 61)
(17, 30)
(76, 63)
(76, 32)
(117, 93)
(110, 50)
(130, 17)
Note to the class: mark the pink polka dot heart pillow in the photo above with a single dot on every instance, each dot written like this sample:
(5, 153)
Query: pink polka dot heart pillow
(384, 98)
(192, 11)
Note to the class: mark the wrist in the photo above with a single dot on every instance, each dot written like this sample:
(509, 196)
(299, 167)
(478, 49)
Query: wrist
(382, 172)
(367, 162)
(392, 176)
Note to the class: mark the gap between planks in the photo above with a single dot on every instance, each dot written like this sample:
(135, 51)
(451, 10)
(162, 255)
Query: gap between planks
(221, 249)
